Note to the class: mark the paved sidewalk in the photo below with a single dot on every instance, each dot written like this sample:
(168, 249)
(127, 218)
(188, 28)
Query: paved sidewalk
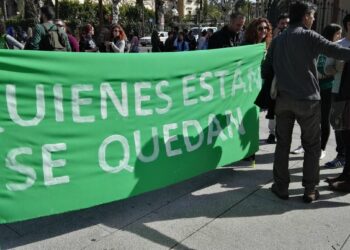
(229, 208)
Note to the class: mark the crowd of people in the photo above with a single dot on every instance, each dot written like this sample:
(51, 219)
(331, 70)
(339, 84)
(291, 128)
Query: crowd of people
(305, 78)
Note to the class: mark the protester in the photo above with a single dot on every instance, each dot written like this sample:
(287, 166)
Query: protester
(202, 41)
(192, 43)
(292, 57)
(335, 67)
(282, 24)
(87, 43)
(134, 44)
(169, 42)
(118, 37)
(258, 31)
(180, 43)
(157, 45)
(47, 36)
(7, 41)
(341, 123)
(230, 35)
(73, 42)
(103, 37)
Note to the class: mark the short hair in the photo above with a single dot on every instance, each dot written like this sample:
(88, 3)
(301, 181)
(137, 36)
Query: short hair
(346, 19)
(299, 9)
(48, 11)
(330, 30)
(283, 16)
(236, 15)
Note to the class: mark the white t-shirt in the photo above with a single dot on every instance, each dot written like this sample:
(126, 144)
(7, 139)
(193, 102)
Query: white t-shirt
(332, 62)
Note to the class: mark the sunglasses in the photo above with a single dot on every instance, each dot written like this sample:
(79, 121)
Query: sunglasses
(262, 28)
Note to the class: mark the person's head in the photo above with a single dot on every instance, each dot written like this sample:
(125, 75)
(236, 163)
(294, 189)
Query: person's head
(259, 30)
(346, 23)
(170, 34)
(59, 23)
(210, 32)
(117, 32)
(88, 30)
(47, 13)
(283, 21)
(204, 33)
(237, 21)
(185, 31)
(332, 32)
(302, 13)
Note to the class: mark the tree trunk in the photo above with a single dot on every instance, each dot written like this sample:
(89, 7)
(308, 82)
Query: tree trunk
(115, 11)
(4, 9)
(100, 10)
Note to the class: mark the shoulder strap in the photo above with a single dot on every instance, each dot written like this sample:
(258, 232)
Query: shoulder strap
(47, 29)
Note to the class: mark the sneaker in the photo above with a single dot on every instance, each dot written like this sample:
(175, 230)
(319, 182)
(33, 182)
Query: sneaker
(336, 163)
(310, 196)
(278, 193)
(340, 186)
(271, 139)
(323, 154)
(298, 150)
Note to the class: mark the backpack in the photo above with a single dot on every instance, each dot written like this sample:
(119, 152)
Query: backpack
(53, 39)
(3, 42)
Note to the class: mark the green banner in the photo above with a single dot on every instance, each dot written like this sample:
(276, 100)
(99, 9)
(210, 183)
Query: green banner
(78, 130)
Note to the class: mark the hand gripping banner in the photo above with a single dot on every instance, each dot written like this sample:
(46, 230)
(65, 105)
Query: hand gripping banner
(82, 129)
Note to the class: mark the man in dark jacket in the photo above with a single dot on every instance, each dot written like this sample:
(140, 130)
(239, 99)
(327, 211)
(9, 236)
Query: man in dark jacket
(292, 56)
(230, 35)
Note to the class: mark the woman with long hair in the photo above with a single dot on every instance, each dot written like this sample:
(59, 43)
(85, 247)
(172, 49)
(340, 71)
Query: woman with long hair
(87, 43)
(258, 31)
(118, 40)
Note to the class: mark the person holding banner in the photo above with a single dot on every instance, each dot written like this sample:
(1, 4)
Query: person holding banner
(292, 57)
(230, 35)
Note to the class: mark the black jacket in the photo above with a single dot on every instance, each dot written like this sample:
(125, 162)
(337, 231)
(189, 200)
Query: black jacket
(224, 38)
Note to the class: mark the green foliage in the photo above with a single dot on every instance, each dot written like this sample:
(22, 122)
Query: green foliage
(214, 13)
(79, 14)
(132, 18)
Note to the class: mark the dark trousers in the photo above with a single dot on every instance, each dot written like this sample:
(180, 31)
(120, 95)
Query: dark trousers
(346, 140)
(340, 144)
(326, 102)
(308, 116)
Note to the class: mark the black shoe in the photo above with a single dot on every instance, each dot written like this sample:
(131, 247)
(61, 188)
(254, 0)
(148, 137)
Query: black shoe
(310, 196)
(331, 180)
(340, 186)
(282, 195)
(271, 139)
